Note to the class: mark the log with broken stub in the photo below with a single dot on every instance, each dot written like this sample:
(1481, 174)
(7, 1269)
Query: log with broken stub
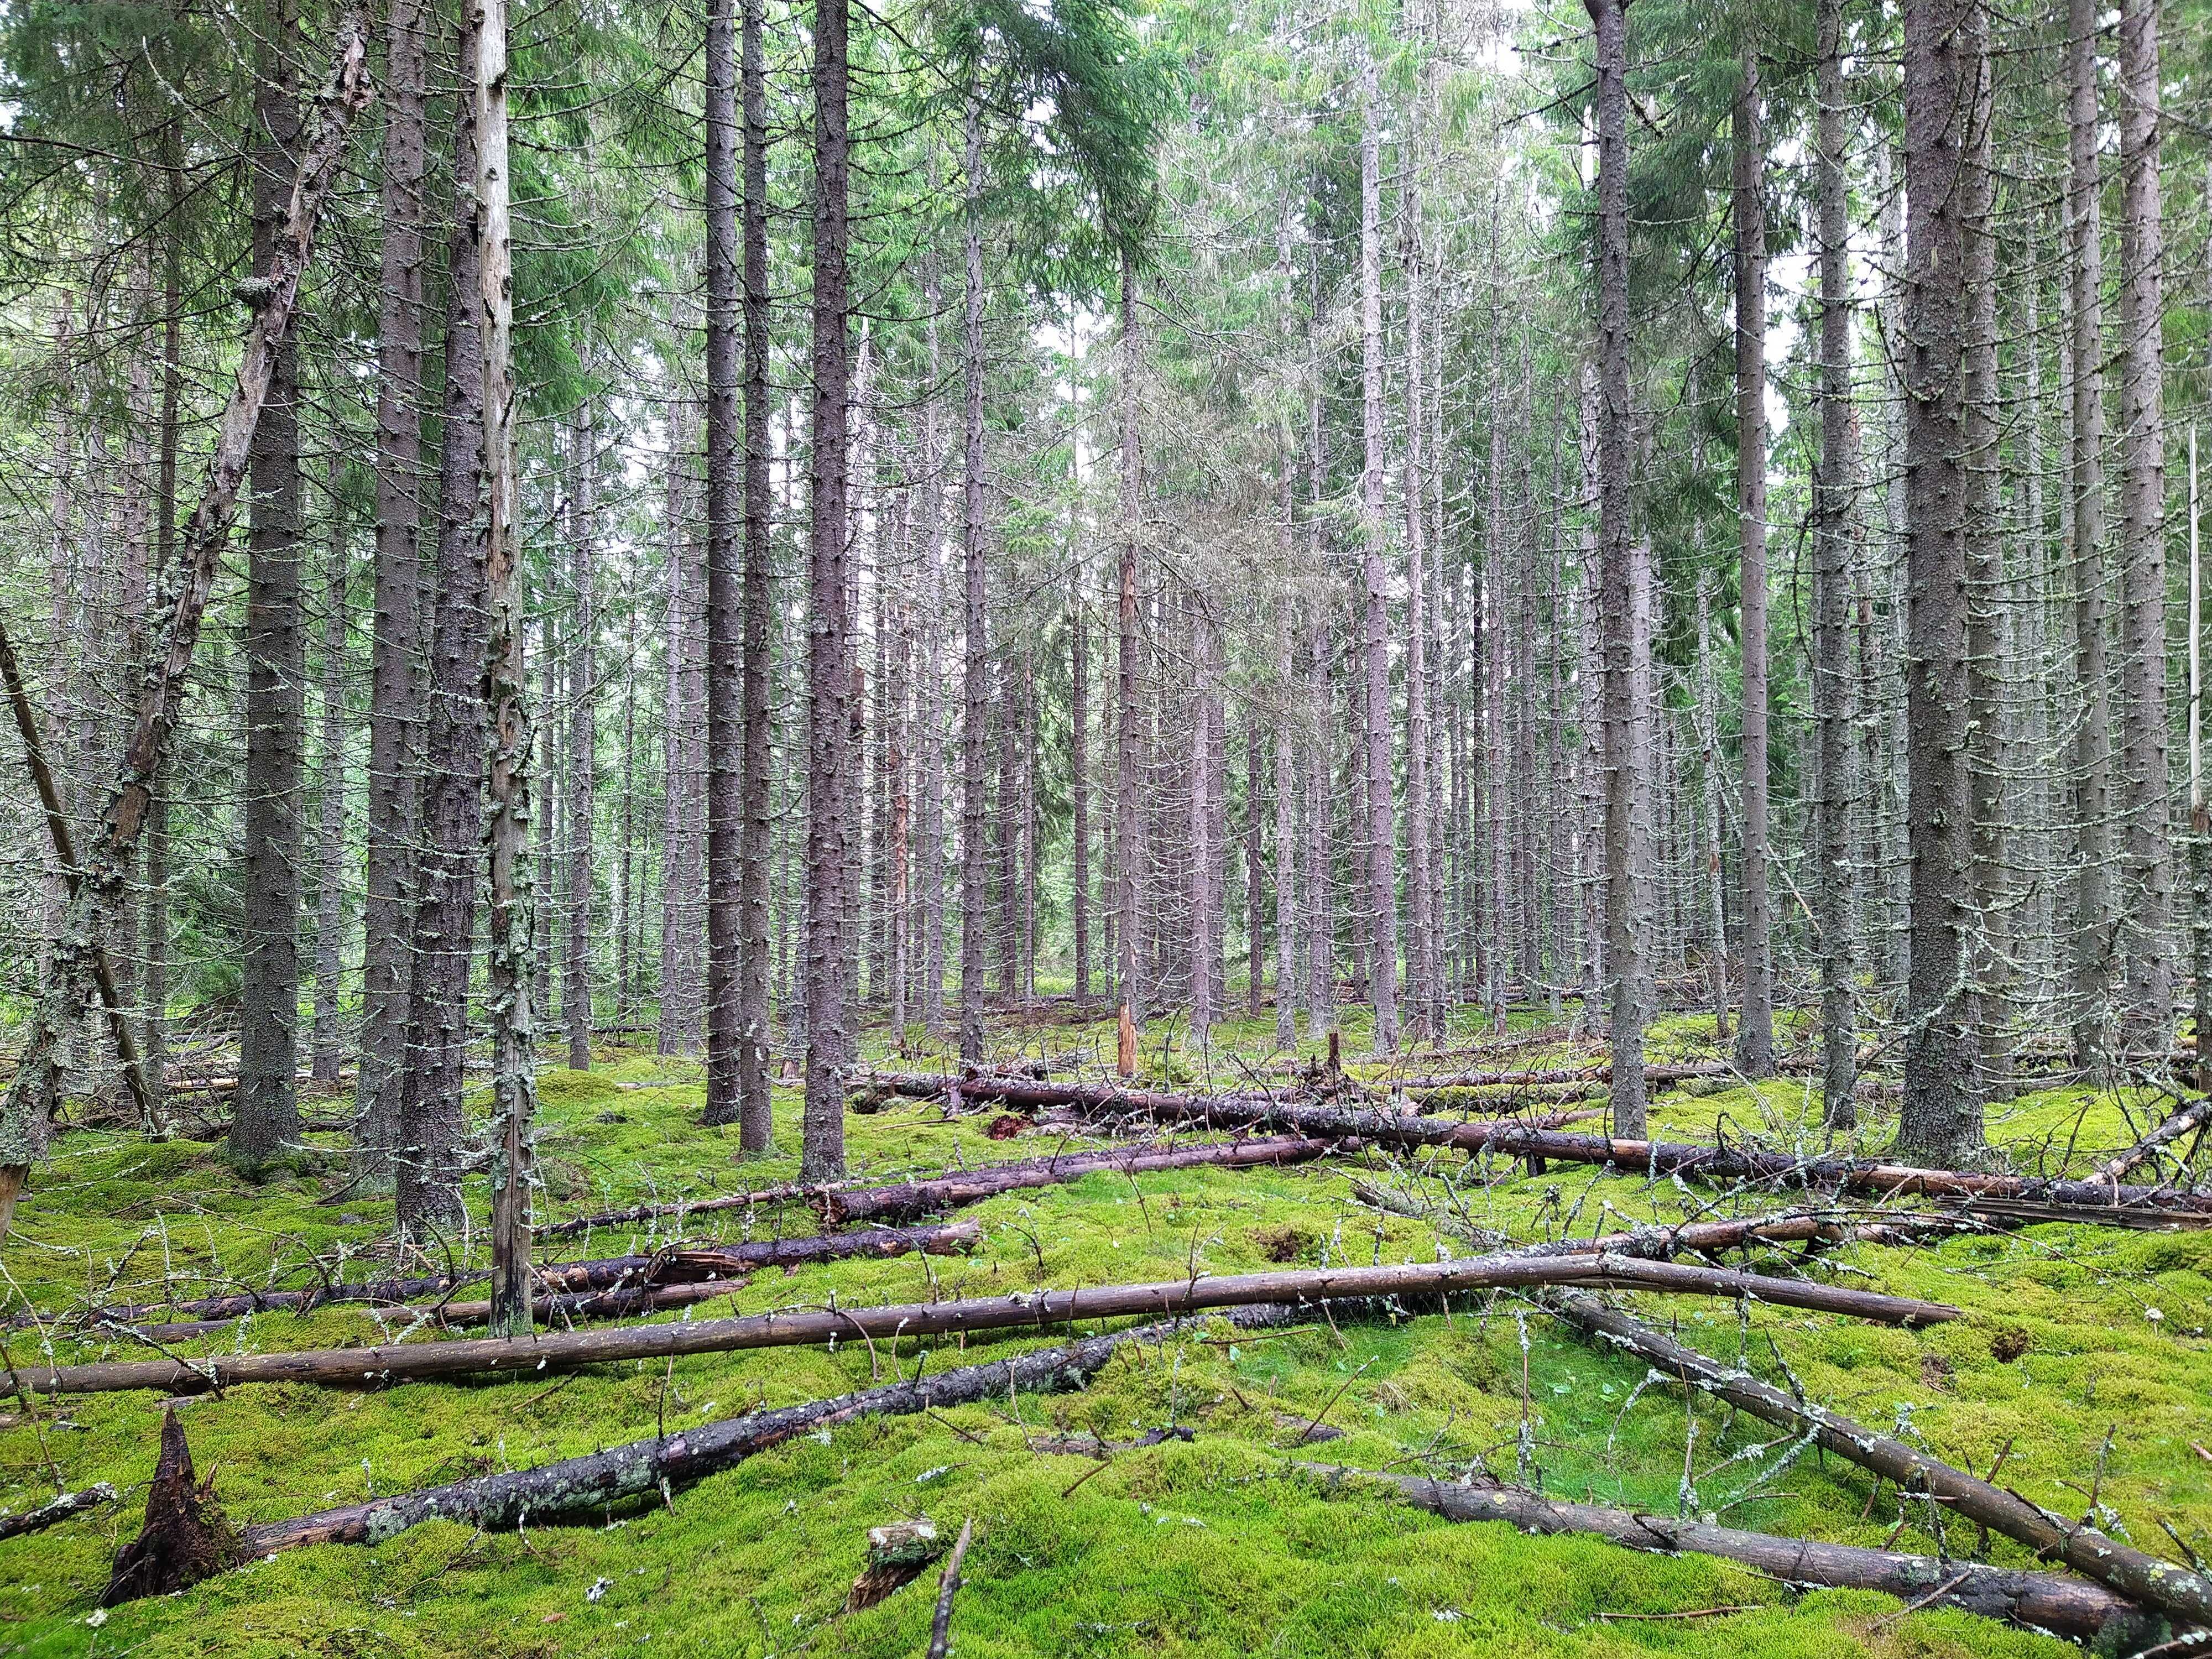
(1658, 1072)
(1703, 1237)
(581, 1486)
(2066, 1606)
(31, 1097)
(1039, 1311)
(2171, 1589)
(1644, 1157)
(841, 1206)
(675, 1265)
(2191, 1116)
(635, 1212)
(57, 1509)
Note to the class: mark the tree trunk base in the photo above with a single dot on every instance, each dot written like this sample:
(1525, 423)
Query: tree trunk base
(185, 1539)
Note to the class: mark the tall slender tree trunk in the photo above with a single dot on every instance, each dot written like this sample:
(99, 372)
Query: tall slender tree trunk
(154, 1020)
(1204, 947)
(1423, 994)
(1625, 934)
(432, 1121)
(683, 845)
(1754, 1040)
(1715, 886)
(267, 1117)
(1078, 776)
(974, 901)
(1375, 737)
(1129, 844)
(828, 677)
(929, 691)
(583, 734)
(2094, 940)
(1835, 485)
(1287, 862)
(729, 515)
(395, 732)
(330, 838)
(2148, 856)
(1940, 1120)
(756, 829)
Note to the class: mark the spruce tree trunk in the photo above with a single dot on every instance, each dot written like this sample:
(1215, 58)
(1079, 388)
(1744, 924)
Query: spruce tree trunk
(1940, 1120)
(929, 692)
(1754, 1041)
(330, 788)
(683, 848)
(1625, 937)
(1204, 947)
(1130, 847)
(1286, 802)
(395, 728)
(1377, 724)
(728, 672)
(974, 847)
(2090, 922)
(828, 676)
(1835, 483)
(1078, 776)
(2147, 858)
(432, 1121)
(583, 736)
(756, 1125)
(267, 1117)
(1423, 994)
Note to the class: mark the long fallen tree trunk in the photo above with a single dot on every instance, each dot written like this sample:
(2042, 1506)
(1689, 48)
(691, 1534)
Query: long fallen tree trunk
(840, 1206)
(1036, 1310)
(87, 917)
(2191, 1116)
(2173, 1590)
(608, 1274)
(55, 1510)
(2057, 1602)
(576, 1486)
(1642, 1157)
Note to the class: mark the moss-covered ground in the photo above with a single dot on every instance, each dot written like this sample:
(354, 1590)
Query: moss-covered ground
(2083, 1360)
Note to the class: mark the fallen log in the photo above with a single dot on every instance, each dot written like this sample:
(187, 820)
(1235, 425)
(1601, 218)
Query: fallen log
(57, 1509)
(2064, 1606)
(840, 1206)
(674, 1265)
(1036, 1310)
(2171, 1589)
(2191, 1116)
(1644, 1157)
(581, 1486)
(636, 1213)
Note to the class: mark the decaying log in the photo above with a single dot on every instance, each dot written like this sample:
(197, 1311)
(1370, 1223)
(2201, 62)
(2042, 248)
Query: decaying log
(2093, 1200)
(2191, 1116)
(1036, 1310)
(635, 1212)
(840, 1205)
(2051, 1601)
(577, 1486)
(940, 1624)
(2145, 1579)
(57, 1509)
(185, 1538)
(896, 1555)
(677, 1266)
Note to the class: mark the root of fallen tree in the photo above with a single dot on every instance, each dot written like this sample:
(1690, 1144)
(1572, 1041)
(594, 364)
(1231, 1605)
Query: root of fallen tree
(1036, 1310)
(2057, 1602)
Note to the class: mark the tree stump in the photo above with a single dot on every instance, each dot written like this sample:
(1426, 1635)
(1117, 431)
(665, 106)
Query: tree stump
(185, 1538)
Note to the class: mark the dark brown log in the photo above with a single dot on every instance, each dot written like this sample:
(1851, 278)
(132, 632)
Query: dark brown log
(840, 1206)
(56, 1509)
(2142, 1578)
(1039, 1309)
(675, 1265)
(2086, 1199)
(2042, 1601)
(185, 1538)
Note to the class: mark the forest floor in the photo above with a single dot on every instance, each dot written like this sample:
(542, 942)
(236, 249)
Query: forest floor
(1212, 1547)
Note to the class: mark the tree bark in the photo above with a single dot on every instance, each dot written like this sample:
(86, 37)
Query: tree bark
(583, 736)
(683, 848)
(266, 1120)
(1079, 774)
(1377, 725)
(1130, 848)
(829, 688)
(974, 903)
(1423, 994)
(330, 788)
(1754, 1040)
(1941, 1119)
(395, 732)
(929, 721)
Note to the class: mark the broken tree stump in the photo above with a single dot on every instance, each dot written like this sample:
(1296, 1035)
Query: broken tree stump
(185, 1538)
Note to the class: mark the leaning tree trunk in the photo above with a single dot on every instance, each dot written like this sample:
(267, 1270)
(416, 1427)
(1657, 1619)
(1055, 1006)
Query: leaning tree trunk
(1375, 735)
(2147, 859)
(395, 680)
(2092, 919)
(1624, 936)
(1834, 485)
(1941, 1119)
(1754, 1038)
(828, 674)
(432, 1122)
(267, 1114)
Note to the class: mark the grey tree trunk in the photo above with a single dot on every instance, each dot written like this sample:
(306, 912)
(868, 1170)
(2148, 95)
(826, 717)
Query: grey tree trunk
(683, 845)
(1836, 485)
(828, 675)
(267, 1117)
(1376, 743)
(1204, 945)
(1754, 1041)
(929, 690)
(728, 479)
(1624, 939)
(1286, 801)
(2091, 923)
(1940, 1123)
(1715, 889)
(754, 829)
(1078, 776)
(975, 874)
(2147, 861)
(432, 1121)
(395, 732)
(1130, 848)
(583, 736)
(330, 788)
(1423, 993)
